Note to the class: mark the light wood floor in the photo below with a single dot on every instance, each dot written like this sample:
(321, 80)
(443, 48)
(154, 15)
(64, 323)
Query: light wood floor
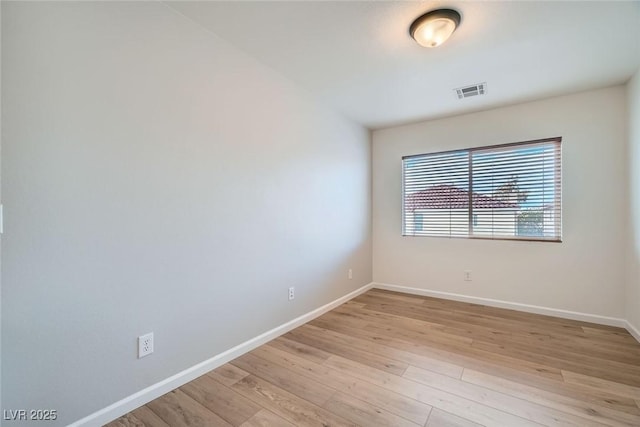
(390, 359)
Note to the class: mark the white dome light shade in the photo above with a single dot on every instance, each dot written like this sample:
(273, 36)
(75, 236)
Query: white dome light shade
(435, 27)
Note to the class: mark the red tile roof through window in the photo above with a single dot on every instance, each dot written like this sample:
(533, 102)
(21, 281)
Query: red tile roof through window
(452, 197)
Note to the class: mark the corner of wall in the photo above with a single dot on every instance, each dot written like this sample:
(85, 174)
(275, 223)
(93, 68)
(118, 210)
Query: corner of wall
(632, 291)
(1, 406)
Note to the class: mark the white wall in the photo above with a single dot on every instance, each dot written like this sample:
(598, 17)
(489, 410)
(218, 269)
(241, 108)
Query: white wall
(633, 282)
(0, 199)
(584, 273)
(157, 179)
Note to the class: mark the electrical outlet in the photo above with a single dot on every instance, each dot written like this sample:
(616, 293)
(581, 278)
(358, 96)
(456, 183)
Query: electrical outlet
(145, 345)
(292, 293)
(467, 276)
(350, 274)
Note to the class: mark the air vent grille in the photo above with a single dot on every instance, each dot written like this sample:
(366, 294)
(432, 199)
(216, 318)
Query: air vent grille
(473, 90)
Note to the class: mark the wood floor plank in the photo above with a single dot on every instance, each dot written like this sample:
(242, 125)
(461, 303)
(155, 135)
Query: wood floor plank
(434, 397)
(127, 420)
(430, 326)
(265, 418)
(480, 319)
(599, 383)
(376, 347)
(489, 317)
(148, 417)
(561, 402)
(535, 375)
(179, 410)
(620, 335)
(423, 328)
(220, 399)
(387, 301)
(363, 413)
(302, 387)
(576, 346)
(308, 352)
(227, 374)
(436, 331)
(599, 397)
(404, 298)
(352, 317)
(443, 356)
(391, 359)
(542, 320)
(608, 370)
(497, 367)
(458, 306)
(467, 310)
(531, 375)
(568, 351)
(471, 352)
(395, 403)
(522, 335)
(141, 417)
(440, 418)
(352, 304)
(323, 339)
(551, 322)
(565, 334)
(453, 328)
(287, 405)
(504, 402)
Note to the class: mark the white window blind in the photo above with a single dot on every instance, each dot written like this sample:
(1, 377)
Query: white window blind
(509, 191)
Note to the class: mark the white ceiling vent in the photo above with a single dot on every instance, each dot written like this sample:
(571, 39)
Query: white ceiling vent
(473, 90)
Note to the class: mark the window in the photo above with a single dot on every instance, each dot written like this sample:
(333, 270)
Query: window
(509, 191)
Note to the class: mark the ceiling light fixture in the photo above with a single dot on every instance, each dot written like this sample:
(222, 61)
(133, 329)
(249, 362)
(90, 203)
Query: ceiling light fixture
(435, 27)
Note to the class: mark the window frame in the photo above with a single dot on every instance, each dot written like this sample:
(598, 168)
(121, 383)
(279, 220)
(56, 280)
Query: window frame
(558, 190)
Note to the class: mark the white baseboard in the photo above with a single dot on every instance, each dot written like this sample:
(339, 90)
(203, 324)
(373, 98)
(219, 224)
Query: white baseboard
(632, 330)
(565, 314)
(142, 397)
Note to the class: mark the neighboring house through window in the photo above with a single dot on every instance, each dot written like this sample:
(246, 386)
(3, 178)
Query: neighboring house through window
(510, 191)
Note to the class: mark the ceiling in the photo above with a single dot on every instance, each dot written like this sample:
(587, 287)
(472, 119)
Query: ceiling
(358, 57)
